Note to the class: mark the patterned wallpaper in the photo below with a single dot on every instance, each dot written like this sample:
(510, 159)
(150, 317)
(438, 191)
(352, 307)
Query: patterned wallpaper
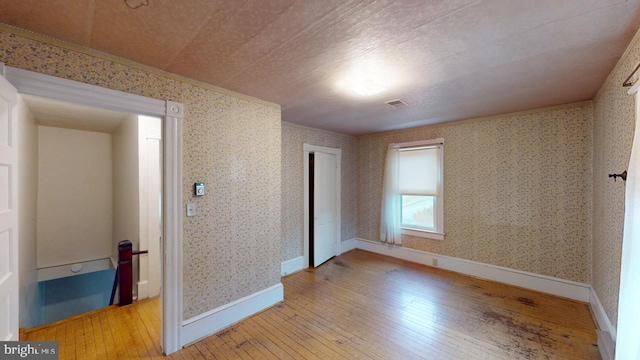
(517, 190)
(232, 248)
(613, 128)
(293, 136)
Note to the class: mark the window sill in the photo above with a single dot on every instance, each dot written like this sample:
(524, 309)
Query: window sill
(423, 234)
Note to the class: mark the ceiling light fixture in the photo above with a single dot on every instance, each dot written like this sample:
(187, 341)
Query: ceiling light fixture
(368, 87)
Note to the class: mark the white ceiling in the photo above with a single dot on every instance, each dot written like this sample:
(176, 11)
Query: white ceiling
(55, 113)
(448, 59)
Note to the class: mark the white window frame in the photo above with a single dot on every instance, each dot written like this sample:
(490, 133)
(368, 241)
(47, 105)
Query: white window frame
(438, 234)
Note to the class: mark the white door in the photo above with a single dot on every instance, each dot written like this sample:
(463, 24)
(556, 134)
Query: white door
(324, 208)
(154, 164)
(8, 214)
(150, 187)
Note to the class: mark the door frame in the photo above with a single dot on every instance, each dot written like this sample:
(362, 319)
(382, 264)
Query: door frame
(307, 149)
(31, 83)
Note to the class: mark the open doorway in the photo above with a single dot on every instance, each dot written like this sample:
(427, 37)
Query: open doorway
(90, 177)
(28, 82)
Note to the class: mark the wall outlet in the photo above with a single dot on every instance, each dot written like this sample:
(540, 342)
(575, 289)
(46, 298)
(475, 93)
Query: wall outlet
(434, 261)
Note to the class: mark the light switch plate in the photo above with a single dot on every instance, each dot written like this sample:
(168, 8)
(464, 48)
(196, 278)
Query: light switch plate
(191, 210)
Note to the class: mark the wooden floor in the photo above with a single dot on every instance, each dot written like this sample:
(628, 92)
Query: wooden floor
(357, 306)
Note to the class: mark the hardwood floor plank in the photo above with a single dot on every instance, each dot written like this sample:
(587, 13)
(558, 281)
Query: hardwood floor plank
(87, 327)
(193, 351)
(132, 326)
(543, 332)
(186, 353)
(41, 334)
(52, 334)
(323, 347)
(80, 343)
(120, 334)
(98, 336)
(227, 346)
(263, 347)
(271, 335)
(248, 344)
(356, 306)
(210, 344)
(250, 328)
(149, 311)
(377, 314)
(177, 355)
(112, 348)
(251, 351)
(67, 349)
(356, 334)
(317, 347)
(204, 350)
(459, 285)
(285, 337)
(333, 339)
(151, 342)
(397, 336)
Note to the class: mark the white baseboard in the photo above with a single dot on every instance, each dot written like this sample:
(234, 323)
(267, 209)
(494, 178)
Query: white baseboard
(547, 284)
(606, 345)
(291, 266)
(143, 289)
(217, 319)
(601, 315)
(348, 245)
(61, 271)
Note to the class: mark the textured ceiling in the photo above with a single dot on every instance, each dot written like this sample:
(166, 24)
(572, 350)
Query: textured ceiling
(448, 59)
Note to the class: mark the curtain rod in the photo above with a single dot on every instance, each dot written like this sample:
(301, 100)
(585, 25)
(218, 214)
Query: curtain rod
(627, 83)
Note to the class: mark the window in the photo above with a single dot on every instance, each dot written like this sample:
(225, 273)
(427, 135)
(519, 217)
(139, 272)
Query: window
(418, 212)
(412, 199)
(420, 186)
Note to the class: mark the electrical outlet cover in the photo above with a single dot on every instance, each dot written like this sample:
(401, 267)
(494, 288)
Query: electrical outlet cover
(191, 210)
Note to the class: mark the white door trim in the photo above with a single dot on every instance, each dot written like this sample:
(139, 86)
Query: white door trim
(307, 149)
(28, 82)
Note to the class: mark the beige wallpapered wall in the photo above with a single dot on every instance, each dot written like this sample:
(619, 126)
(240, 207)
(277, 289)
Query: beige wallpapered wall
(293, 138)
(613, 128)
(232, 248)
(517, 190)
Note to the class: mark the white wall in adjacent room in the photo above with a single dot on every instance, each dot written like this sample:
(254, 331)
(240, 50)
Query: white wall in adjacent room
(75, 192)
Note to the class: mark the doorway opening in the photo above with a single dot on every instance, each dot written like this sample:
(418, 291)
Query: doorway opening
(311, 208)
(171, 113)
(90, 178)
(322, 199)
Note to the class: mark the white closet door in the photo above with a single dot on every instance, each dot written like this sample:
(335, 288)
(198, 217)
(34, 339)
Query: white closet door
(324, 209)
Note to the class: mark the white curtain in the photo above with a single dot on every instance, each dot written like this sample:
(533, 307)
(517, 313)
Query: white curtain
(627, 342)
(390, 214)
